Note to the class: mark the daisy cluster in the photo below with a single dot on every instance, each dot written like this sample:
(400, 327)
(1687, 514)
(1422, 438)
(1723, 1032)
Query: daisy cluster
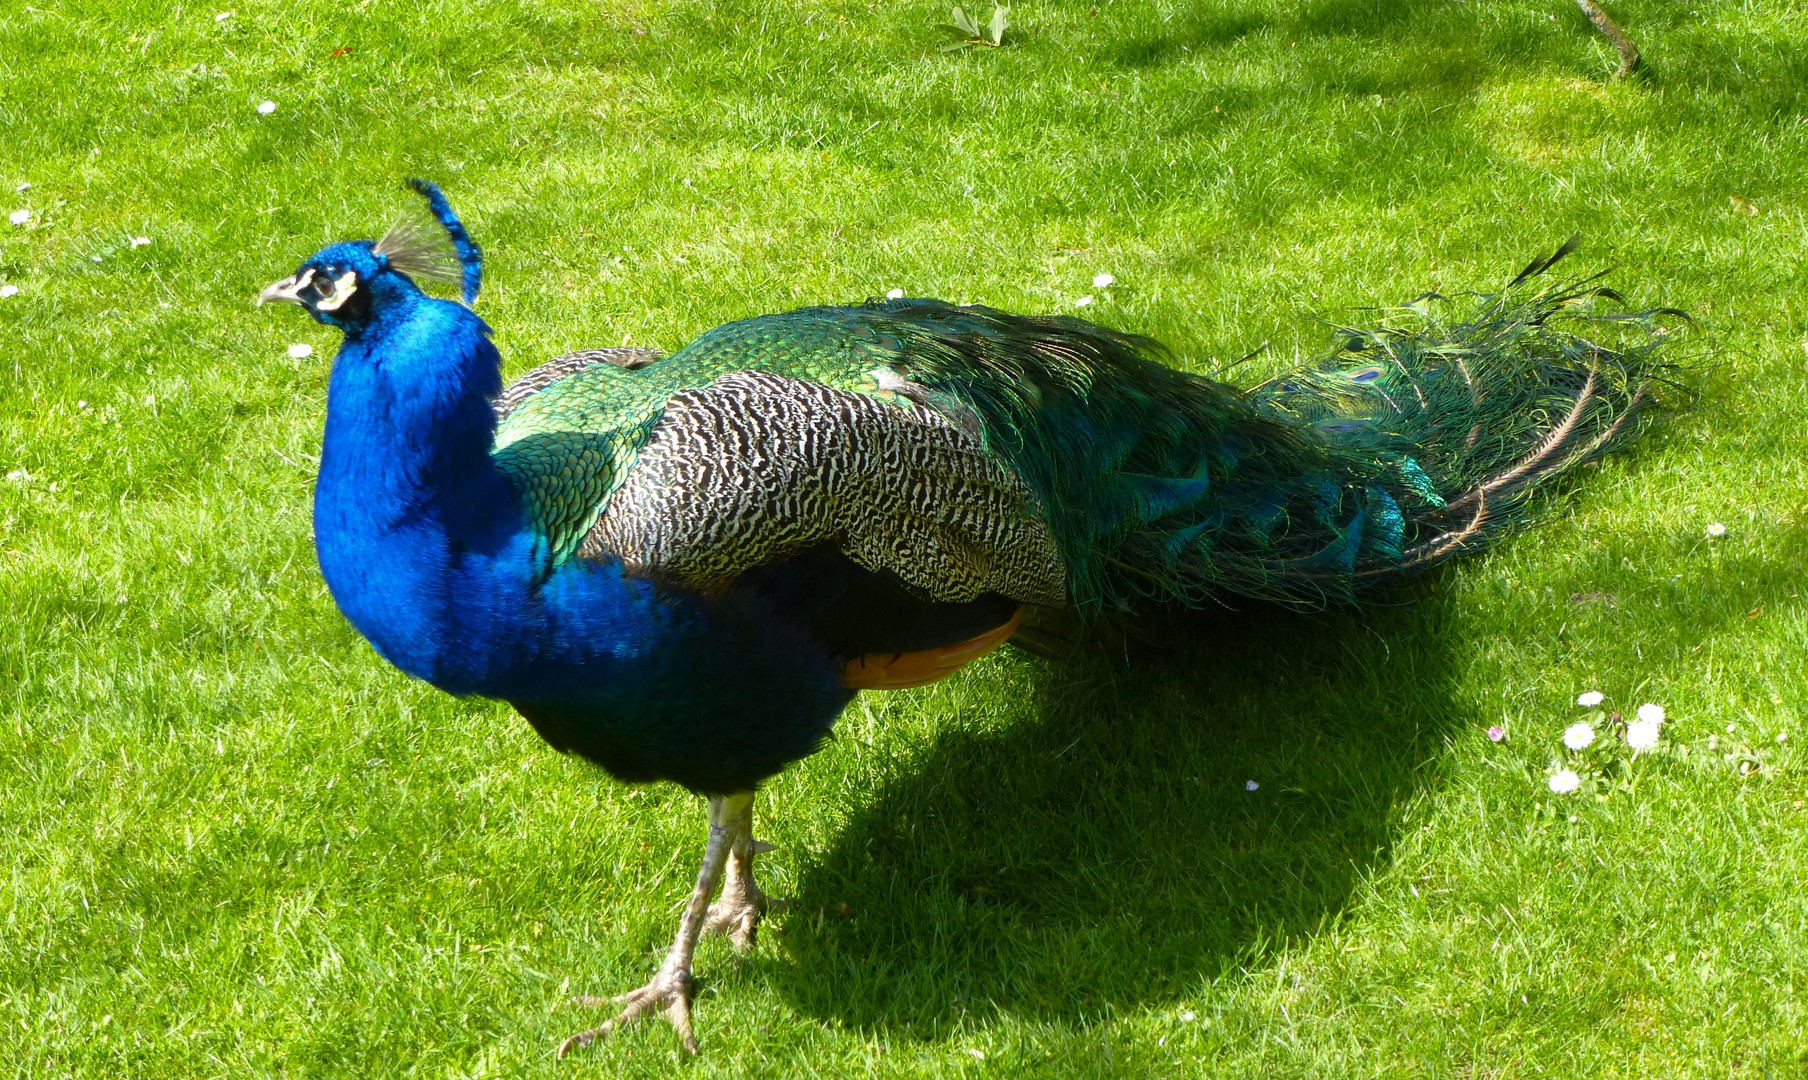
(1599, 748)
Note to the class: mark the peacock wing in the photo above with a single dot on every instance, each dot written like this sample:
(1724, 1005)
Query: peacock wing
(570, 431)
(693, 471)
(757, 466)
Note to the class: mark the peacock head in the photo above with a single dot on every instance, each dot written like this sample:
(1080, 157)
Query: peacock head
(345, 285)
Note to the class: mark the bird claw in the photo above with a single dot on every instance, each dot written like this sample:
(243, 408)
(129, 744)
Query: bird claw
(669, 993)
(737, 917)
(737, 912)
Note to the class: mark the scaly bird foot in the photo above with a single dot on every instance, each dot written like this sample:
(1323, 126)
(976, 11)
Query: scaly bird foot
(737, 912)
(739, 916)
(669, 992)
(728, 859)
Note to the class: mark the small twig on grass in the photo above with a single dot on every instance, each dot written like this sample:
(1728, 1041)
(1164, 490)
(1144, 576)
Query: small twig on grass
(1629, 54)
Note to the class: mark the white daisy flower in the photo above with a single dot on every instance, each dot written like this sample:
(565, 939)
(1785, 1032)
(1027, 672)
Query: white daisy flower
(265, 108)
(1642, 734)
(1564, 781)
(1590, 698)
(1083, 301)
(19, 217)
(1103, 281)
(1188, 1017)
(1716, 531)
(7, 291)
(140, 241)
(1650, 713)
(301, 350)
(894, 294)
(18, 476)
(1578, 736)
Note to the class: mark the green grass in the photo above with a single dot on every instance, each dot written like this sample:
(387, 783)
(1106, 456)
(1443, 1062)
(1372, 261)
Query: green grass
(240, 845)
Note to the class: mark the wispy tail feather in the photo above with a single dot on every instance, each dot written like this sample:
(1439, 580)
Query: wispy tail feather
(1537, 401)
(1417, 441)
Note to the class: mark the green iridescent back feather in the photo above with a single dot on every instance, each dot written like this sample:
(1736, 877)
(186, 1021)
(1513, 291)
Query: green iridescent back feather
(1415, 441)
(569, 447)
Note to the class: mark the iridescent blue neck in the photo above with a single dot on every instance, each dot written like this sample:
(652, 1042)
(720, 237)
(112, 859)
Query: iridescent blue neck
(415, 529)
(423, 542)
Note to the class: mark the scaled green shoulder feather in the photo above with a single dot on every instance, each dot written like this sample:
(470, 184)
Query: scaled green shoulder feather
(569, 447)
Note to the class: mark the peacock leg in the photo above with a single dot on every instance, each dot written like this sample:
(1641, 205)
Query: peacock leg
(737, 912)
(670, 990)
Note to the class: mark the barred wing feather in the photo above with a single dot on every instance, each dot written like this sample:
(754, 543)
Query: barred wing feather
(755, 467)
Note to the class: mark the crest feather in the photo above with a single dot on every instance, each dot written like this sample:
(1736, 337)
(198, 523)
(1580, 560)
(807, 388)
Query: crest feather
(420, 249)
(434, 250)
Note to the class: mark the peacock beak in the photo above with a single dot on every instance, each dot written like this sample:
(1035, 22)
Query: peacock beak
(288, 290)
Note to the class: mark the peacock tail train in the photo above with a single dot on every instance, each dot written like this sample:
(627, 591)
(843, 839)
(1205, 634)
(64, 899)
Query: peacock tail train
(1415, 442)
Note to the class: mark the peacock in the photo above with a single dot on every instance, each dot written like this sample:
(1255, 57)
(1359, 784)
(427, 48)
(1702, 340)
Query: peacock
(684, 567)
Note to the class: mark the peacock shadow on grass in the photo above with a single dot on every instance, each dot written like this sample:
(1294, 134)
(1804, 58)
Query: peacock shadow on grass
(1095, 847)
(1401, 46)
(1218, 26)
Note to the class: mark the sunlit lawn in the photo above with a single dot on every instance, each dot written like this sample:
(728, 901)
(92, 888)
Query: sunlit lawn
(240, 845)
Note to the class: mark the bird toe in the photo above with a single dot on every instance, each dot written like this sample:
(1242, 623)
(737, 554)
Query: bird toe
(669, 993)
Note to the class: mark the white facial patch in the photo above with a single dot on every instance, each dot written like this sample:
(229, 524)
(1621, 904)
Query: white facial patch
(343, 288)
